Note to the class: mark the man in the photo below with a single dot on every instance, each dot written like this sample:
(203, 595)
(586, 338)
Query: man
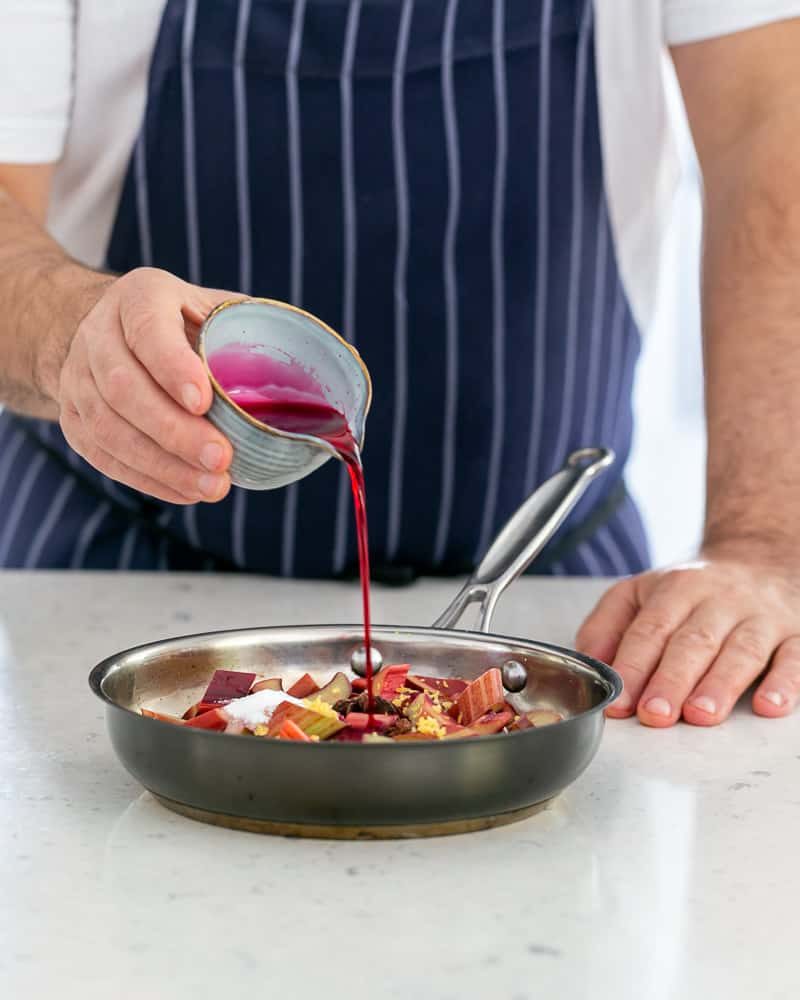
(471, 191)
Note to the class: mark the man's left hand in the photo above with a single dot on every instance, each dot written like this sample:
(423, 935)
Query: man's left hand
(689, 640)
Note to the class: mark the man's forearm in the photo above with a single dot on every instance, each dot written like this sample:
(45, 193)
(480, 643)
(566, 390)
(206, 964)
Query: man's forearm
(751, 321)
(43, 296)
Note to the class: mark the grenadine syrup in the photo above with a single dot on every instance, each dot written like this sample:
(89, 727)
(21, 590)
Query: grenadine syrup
(285, 396)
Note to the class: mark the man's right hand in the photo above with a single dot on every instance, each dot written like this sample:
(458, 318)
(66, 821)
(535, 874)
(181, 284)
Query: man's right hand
(132, 392)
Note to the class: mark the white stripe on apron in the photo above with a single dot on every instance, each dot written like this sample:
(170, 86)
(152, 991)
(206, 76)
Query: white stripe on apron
(190, 167)
(450, 283)
(242, 172)
(350, 250)
(576, 245)
(238, 524)
(584, 554)
(9, 454)
(296, 205)
(189, 516)
(605, 540)
(87, 534)
(163, 561)
(590, 416)
(542, 250)
(498, 277)
(614, 355)
(143, 200)
(45, 529)
(397, 443)
(126, 552)
(18, 506)
(239, 501)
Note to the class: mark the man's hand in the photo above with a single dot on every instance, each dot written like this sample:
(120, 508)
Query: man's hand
(688, 641)
(131, 391)
(110, 358)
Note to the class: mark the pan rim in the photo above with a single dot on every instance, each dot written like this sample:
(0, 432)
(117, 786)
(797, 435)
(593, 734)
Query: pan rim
(610, 678)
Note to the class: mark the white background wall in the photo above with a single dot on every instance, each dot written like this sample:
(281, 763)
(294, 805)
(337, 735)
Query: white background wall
(666, 472)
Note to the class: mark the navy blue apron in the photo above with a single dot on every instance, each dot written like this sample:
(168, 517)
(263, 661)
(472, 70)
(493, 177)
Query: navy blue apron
(427, 177)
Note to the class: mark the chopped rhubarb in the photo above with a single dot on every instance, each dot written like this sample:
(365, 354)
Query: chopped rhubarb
(406, 708)
(519, 722)
(215, 719)
(365, 722)
(448, 688)
(226, 685)
(486, 725)
(424, 707)
(421, 705)
(543, 717)
(479, 697)
(291, 731)
(335, 690)
(305, 686)
(162, 717)
(349, 735)
(388, 680)
(312, 723)
(269, 684)
(202, 706)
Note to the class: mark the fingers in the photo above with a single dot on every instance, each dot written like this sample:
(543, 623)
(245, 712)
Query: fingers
(112, 467)
(199, 302)
(745, 654)
(689, 653)
(779, 692)
(662, 611)
(95, 430)
(129, 390)
(691, 641)
(128, 381)
(151, 315)
(600, 634)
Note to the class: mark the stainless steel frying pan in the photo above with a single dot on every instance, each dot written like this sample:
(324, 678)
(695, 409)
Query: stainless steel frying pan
(381, 790)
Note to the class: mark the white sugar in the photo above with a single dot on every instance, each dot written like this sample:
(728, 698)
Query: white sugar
(256, 709)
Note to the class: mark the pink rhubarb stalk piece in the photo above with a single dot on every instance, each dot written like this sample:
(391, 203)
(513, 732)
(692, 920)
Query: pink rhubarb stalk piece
(226, 685)
(374, 723)
(312, 723)
(481, 696)
(390, 679)
(449, 688)
(486, 725)
(303, 687)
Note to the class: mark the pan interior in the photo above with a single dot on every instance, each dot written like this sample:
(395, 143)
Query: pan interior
(169, 676)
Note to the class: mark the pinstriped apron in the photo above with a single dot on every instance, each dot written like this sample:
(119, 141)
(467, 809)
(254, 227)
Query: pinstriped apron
(426, 176)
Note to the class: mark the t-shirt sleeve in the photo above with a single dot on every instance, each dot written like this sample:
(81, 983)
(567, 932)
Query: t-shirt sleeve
(36, 78)
(694, 20)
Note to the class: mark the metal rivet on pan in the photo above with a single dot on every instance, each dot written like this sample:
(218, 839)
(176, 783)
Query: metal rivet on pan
(358, 661)
(515, 676)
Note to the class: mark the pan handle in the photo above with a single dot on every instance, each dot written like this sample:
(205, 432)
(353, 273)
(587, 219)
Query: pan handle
(525, 535)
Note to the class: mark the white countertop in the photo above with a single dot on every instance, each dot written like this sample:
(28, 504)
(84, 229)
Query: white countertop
(669, 869)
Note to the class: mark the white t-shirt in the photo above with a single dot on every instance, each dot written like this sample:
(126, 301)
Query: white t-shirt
(73, 83)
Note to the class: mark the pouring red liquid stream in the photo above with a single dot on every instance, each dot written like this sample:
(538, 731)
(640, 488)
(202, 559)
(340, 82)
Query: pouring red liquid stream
(285, 396)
